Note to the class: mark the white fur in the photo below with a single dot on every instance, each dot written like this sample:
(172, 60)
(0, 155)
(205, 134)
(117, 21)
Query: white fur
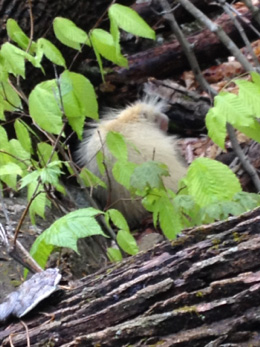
(138, 124)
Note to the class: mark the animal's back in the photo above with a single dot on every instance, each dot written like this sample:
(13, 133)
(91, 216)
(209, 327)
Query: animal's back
(152, 144)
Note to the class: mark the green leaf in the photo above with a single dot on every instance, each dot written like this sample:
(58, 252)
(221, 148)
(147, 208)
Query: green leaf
(100, 162)
(169, 218)
(114, 254)
(255, 78)
(50, 174)
(68, 33)
(100, 64)
(44, 151)
(44, 106)
(247, 200)
(118, 219)
(117, 145)
(3, 137)
(40, 251)
(149, 174)
(17, 35)
(115, 34)
(249, 93)
(122, 172)
(104, 43)
(11, 169)
(39, 203)
(209, 181)
(30, 178)
(216, 125)
(51, 52)
(220, 211)
(252, 131)
(91, 180)
(9, 98)
(14, 59)
(130, 21)
(231, 107)
(23, 135)
(127, 242)
(66, 231)
(16, 149)
(78, 95)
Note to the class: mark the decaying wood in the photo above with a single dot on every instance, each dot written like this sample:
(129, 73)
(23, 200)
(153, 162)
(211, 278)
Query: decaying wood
(201, 290)
(168, 60)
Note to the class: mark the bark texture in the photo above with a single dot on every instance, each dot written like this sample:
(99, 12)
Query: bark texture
(201, 290)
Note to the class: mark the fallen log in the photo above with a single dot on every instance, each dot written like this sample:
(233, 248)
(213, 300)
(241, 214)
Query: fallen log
(201, 289)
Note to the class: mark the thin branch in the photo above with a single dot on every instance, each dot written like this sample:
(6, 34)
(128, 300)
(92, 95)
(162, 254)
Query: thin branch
(254, 9)
(204, 84)
(240, 29)
(242, 157)
(214, 28)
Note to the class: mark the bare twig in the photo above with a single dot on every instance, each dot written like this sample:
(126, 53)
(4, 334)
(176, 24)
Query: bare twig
(214, 28)
(244, 160)
(186, 47)
(255, 10)
(240, 29)
(203, 83)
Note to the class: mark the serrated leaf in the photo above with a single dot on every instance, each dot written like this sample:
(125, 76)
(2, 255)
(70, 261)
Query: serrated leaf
(23, 135)
(127, 242)
(50, 174)
(66, 231)
(2, 115)
(31, 177)
(10, 99)
(14, 59)
(114, 254)
(118, 219)
(78, 95)
(40, 251)
(11, 169)
(17, 35)
(100, 64)
(130, 21)
(51, 52)
(209, 181)
(247, 200)
(117, 145)
(68, 33)
(23, 157)
(249, 93)
(3, 137)
(39, 203)
(44, 106)
(91, 180)
(252, 131)
(104, 43)
(122, 172)
(255, 78)
(168, 218)
(149, 174)
(216, 125)
(231, 107)
(44, 151)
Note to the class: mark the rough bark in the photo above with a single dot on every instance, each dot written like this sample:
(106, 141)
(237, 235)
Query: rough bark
(200, 290)
(84, 12)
